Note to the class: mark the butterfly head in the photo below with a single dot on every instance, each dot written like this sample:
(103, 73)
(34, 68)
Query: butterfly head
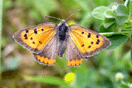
(63, 22)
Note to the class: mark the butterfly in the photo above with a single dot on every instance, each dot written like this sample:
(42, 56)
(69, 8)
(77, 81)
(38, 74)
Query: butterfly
(48, 39)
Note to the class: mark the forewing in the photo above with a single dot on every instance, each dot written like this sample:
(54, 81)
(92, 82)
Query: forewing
(35, 38)
(87, 41)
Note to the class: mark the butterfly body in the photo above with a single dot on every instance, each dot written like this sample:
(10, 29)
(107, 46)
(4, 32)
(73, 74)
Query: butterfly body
(49, 39)
(62, 36)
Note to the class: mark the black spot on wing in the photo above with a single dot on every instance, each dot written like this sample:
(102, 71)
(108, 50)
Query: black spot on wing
(89, 35)
(33, 42)
(35, 31)
(83, 45)
(27, 31)
(40, 42)
(25, 35)
(31, 38)
(42, 29)
(89, 46)
(82, 32)
(97, 41)
(97, 36)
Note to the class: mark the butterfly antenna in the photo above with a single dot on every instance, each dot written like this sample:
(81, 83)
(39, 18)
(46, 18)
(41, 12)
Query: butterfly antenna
(73, 14)
(53, 17)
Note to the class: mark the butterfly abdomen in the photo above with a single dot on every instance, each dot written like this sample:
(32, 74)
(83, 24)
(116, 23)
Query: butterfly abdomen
(62, 46)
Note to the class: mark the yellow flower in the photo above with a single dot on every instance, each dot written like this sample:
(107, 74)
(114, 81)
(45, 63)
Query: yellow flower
(69, 77)
(71, 22)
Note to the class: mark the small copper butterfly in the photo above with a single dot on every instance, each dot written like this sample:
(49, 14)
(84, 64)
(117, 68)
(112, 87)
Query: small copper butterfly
(47, 40)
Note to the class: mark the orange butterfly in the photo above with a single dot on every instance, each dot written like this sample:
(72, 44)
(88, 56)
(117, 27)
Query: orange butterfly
(49, 39)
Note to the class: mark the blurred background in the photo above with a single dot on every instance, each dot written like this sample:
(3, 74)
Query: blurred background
(110, 68)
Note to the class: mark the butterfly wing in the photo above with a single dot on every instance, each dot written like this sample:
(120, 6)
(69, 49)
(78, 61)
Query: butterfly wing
(47, 56)
(35, 38)
(87, 41)
(73, 54)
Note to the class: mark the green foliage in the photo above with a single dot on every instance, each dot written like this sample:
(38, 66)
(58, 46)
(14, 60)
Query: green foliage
(98, 12)
(116, 18)
(117, 40)
(48, 80)
(113, 16)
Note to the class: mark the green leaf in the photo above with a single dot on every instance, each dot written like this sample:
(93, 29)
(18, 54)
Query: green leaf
(109, 14)
(99, 11)
(113, 4)
(120, 20)
(125, 86)
(126, 26)
(48, 80)
(122, 11)
(117, 40)
(108, 22)
(122, 14)
(111, 28)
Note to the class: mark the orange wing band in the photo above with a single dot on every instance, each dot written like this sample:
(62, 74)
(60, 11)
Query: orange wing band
(74, 62)
(45, 60)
